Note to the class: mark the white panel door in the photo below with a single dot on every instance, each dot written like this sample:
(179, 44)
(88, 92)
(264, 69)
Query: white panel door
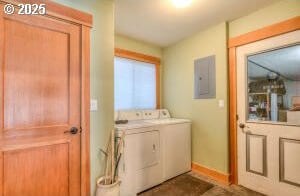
(268, 151)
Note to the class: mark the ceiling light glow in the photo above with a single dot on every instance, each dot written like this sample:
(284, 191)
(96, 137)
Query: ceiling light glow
(181, 3)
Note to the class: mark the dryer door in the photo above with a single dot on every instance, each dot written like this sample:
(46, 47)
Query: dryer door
(142, 160)
(147, 149)
(148, 163)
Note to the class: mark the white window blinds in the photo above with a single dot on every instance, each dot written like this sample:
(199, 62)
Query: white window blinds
(135, 84)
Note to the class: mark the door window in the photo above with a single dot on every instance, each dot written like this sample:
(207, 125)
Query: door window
(274, 86)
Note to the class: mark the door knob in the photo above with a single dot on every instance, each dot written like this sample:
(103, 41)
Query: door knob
(73, 130)
(242, 126)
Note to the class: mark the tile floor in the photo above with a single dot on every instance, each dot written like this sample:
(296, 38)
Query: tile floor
(192, 184)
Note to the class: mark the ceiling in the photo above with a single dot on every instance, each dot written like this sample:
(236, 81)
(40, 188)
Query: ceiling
(285, 62)
(159, 22)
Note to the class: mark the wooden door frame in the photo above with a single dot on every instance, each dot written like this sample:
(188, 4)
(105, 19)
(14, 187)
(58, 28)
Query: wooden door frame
(85, 112)
(84, 21)
(290, 25)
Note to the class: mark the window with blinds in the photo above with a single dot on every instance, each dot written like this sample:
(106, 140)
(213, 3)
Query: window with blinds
(135, 84)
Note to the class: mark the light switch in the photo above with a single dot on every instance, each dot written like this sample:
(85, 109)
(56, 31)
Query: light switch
(221, 103)
(94, 105)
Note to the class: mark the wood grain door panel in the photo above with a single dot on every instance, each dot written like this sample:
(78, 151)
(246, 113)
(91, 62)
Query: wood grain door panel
(55, 46)
(50, 165)
(40, 96)
(25, 81)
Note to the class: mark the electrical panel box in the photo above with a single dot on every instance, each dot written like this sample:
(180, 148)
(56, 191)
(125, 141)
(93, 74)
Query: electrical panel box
(205, 78)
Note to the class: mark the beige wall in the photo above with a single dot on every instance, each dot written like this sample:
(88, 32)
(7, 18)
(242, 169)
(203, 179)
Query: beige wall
(209, 132)
(137, 46)
(275, 13)
(101, 76)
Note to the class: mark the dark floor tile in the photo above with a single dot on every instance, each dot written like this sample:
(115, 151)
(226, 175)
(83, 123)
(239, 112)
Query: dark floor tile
(232, 191)
(218, 191)
(187, 185)
(184, 185)
(242, 191)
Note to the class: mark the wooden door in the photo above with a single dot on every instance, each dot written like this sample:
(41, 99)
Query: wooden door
(268, 149)
(39, 104)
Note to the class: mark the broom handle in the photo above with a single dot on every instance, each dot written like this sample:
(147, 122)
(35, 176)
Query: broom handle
(112, 156)
(107, 162)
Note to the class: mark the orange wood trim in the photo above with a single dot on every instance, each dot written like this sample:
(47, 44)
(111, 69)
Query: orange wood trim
(270, 31)
(144, 58)
(1, 173)
(233, 114)
(59, 11)
(1, 72)
(267, 32)
(136, 56)
(85, 112)
(157, 68)
(213, 174)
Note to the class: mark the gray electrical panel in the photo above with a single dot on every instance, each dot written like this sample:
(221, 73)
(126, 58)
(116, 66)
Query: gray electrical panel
(205, 78)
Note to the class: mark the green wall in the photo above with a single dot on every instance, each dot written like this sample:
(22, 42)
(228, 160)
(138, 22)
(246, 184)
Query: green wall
(137, 46)
(210, 123)
(102, 51)
(277, 12)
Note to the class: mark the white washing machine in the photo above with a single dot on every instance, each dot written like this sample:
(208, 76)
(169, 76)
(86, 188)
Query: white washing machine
(156, 148)
(141, 165)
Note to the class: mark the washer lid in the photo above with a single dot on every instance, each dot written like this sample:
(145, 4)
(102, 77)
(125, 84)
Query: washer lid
(168, 121)
(135, 124)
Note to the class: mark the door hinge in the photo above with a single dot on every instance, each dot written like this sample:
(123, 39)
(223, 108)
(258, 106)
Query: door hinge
(237, 117)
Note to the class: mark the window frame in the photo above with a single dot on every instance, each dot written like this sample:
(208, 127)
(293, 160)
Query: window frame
(147, 59)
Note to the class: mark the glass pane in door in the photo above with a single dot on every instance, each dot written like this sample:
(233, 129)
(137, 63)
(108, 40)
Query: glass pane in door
(274, 86)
